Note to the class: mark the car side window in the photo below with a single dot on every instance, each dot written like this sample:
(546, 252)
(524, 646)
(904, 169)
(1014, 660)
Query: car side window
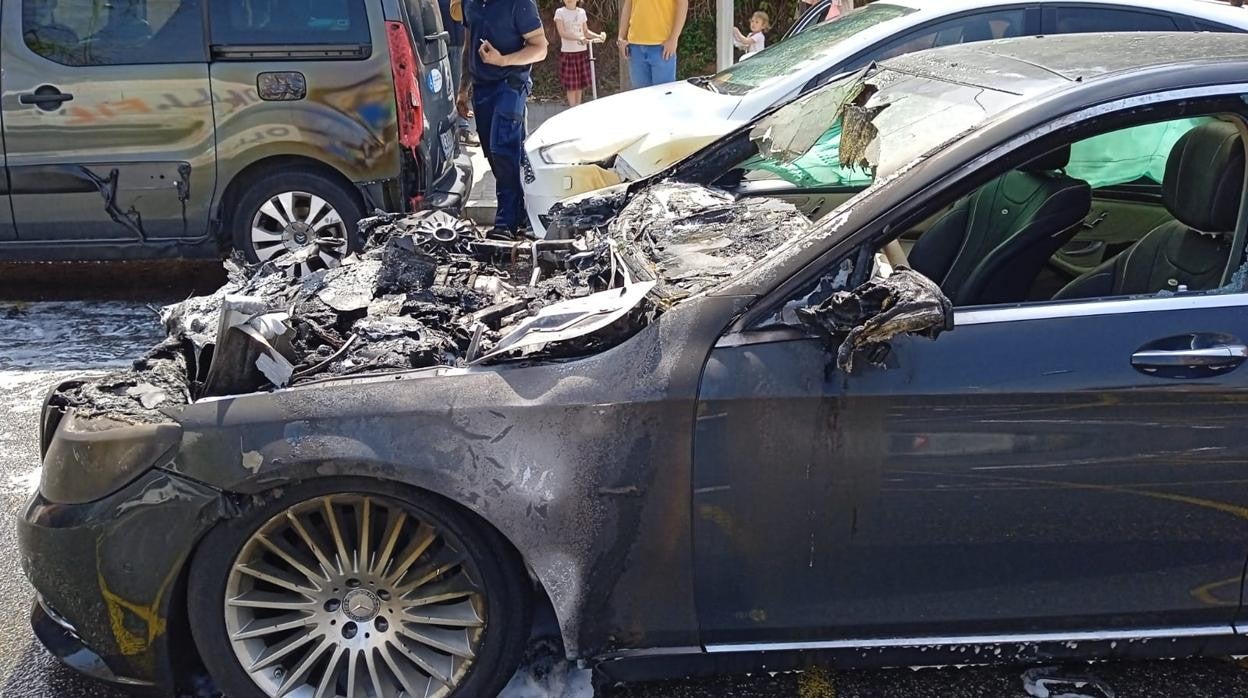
(1081, 20)
(114, 32)
(427, 20)
(1130, 212)
(289, 23)
(1207, 26)
(978, 27)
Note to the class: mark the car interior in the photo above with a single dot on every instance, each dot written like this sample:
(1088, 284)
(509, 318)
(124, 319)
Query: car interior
(1058, 230)
(1148, 208)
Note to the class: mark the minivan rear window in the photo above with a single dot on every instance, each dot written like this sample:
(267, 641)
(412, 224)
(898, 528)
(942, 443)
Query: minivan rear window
(288, 22)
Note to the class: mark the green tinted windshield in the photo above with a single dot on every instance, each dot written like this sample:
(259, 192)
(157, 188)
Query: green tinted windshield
(806, 47)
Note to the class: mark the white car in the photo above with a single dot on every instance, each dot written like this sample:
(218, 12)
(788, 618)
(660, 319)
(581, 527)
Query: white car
(638, 133)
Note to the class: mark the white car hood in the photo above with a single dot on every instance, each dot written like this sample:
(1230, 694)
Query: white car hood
(650, 128)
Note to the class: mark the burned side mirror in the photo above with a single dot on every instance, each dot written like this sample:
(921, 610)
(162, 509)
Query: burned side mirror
(862, 321)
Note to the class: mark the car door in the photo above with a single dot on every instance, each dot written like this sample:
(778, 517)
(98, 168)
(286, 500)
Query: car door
(1045, 468)
(1017, 474)
(107, 120)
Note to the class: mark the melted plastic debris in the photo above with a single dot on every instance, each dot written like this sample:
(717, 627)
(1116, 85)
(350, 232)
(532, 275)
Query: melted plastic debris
(427, 290)
(652, 210)
(695, 250)
(688, 237)
(866, 318)
(135, 395)
(1051, 682)
(590, 212)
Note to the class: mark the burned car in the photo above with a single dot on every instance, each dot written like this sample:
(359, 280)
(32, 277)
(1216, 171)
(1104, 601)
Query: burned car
(937, 363)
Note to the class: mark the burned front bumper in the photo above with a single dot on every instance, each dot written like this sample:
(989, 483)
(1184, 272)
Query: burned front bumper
(108, 576)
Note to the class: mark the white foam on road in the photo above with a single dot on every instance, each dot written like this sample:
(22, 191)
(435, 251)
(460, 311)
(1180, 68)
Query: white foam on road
(75, 334)
(549, 678)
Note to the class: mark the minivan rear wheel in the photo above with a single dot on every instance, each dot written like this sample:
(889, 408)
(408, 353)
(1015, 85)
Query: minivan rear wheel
(300, 221)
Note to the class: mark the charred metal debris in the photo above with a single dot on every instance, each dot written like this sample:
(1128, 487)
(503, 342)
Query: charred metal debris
(687, 237)
(865, 319)
(428, 290)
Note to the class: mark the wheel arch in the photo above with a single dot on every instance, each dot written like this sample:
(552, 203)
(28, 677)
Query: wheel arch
(263, 167)
(181, 643)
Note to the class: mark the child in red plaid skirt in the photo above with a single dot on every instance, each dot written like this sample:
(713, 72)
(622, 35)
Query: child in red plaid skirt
(574, 30)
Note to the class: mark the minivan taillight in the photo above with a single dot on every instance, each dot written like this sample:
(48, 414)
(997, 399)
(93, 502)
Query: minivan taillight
(406, 86)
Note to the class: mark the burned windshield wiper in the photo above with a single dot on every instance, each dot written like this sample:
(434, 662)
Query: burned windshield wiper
(706, 82)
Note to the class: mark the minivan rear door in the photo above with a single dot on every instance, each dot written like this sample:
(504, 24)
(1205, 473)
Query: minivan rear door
(107, 119)
(437, 94)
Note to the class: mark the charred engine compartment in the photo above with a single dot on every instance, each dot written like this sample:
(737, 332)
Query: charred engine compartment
(429, 290)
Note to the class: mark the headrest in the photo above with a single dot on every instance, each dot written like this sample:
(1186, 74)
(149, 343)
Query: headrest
(1205, 178)
(1052, 160)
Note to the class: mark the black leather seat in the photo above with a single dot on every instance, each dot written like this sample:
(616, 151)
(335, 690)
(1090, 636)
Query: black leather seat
(1201, 188)
(991, 245)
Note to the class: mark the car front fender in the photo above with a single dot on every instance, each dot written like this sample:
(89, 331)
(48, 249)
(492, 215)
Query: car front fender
(583, 465)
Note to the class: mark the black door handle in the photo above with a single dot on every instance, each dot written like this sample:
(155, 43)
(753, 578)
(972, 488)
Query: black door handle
(45, 97)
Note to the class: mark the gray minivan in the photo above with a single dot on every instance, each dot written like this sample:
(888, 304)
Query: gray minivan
(155, 128)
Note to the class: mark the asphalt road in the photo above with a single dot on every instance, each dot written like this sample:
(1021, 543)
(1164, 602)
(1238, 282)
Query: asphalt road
(43, 342)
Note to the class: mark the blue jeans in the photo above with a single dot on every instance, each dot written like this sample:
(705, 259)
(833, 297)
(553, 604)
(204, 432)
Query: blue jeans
(500, 126)
(646, 66)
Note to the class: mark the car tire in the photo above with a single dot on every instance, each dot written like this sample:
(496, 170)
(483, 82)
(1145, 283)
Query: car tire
(358, 621)
(301, 220)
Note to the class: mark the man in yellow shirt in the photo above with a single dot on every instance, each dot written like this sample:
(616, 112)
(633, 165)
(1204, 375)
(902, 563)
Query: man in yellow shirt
(649, 32)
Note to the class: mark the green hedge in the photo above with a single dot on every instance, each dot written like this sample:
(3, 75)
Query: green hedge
(696, 54)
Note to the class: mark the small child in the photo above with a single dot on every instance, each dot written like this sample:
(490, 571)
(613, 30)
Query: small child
(757, 40)
(574, 32)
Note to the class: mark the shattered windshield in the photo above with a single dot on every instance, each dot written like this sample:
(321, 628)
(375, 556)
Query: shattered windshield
(803, 49)
(852, 130)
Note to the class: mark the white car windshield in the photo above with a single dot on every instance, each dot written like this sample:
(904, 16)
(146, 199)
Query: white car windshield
(785, 57)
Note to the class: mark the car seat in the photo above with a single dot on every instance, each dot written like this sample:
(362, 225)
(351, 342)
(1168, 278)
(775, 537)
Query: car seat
(1201, 188)
(992, 244)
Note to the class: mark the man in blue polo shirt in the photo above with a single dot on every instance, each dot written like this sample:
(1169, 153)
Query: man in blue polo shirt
(505, 37)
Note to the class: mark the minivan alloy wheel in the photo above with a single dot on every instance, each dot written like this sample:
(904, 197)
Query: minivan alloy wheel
(299, 231)
(354, 595)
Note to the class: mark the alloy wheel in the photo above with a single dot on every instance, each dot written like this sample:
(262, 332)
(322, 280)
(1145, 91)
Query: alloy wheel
(354, 596)
(299, 231)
